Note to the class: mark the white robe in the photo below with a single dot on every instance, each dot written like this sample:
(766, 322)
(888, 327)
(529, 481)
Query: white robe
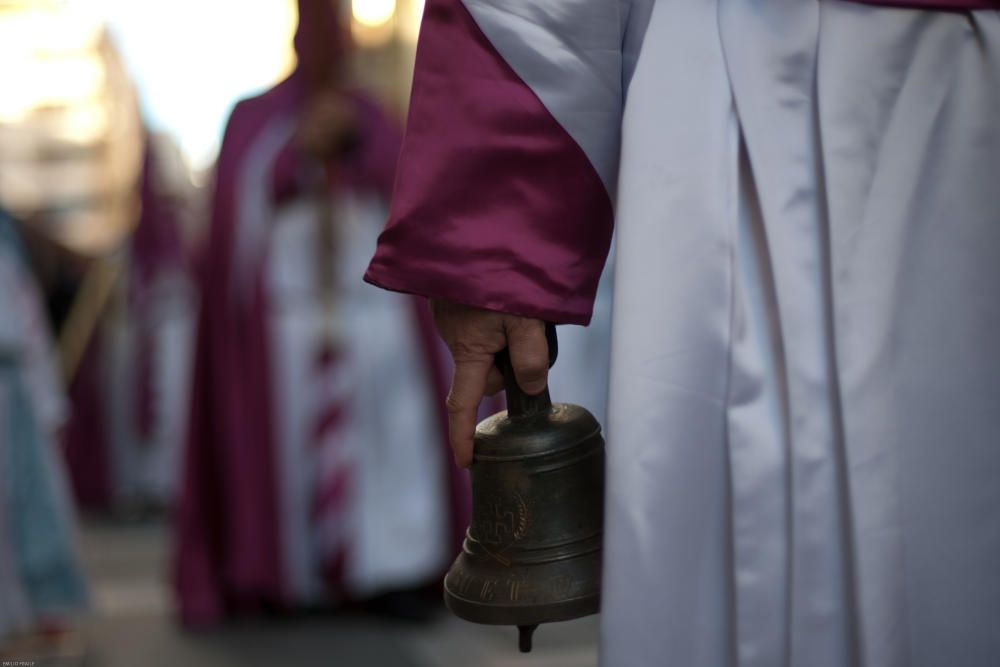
(580, 375)
(804, 437)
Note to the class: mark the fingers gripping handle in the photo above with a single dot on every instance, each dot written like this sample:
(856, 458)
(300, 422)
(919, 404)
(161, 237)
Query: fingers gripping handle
(519, 403)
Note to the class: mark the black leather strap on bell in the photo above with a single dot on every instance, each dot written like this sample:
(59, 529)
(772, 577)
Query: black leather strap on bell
(518, 402)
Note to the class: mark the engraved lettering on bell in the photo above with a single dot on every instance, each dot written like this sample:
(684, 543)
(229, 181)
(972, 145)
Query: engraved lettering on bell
(514, 586)
(489, 592)
(460, 581)
(502, 523)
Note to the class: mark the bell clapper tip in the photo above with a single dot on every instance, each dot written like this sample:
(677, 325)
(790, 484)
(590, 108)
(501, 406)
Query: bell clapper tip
(524, 633)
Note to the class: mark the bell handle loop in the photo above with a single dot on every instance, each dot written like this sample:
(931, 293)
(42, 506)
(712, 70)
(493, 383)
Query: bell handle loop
(520, 404)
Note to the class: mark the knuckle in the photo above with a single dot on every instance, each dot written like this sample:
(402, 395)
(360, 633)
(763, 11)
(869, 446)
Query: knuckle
(531, 361)
(454, 405)
(465, 350)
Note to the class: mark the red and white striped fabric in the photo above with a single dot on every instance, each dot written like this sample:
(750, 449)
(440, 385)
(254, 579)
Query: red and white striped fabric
(335, 462)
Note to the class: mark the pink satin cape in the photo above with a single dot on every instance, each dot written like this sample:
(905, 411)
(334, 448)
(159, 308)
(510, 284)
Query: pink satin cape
(515, 218)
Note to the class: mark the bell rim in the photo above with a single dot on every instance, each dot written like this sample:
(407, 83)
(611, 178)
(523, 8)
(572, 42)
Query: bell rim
(483, 613)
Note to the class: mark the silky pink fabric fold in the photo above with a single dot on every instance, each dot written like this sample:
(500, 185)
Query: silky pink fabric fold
(495, 204)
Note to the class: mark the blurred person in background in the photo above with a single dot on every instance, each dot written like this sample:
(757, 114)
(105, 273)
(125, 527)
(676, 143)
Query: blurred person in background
(132, 319)
(41, 582)
(804, 432)
(152, 347)
(316, 471)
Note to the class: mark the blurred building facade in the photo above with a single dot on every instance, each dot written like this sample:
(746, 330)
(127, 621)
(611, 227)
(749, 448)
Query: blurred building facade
(385, 32)
(70, 130)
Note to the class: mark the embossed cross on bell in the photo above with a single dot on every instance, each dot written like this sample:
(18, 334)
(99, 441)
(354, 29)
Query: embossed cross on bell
(533, 551)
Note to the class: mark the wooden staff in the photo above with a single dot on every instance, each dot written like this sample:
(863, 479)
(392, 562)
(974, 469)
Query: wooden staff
(85, 314)
(322, 64)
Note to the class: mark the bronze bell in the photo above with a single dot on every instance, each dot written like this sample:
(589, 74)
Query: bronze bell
(533, 551)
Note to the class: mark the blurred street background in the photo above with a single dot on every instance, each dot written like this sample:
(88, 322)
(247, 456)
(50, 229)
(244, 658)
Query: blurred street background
(133, 625)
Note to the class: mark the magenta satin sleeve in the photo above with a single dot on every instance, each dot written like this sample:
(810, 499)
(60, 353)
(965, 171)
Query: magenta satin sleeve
(495, 204)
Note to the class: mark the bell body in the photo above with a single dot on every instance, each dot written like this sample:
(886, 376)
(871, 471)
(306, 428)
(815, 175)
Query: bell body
(532, 553)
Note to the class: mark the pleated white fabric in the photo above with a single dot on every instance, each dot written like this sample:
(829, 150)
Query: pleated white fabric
(804, 430)
(581, 374)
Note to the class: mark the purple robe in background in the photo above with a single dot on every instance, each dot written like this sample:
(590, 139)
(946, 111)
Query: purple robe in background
(112, 394)
(157, 252)
(227, 545)
(229, 526)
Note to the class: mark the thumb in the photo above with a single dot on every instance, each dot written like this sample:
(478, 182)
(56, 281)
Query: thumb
(529, 354)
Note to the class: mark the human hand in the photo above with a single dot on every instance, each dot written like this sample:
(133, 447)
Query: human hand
(474, 336)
